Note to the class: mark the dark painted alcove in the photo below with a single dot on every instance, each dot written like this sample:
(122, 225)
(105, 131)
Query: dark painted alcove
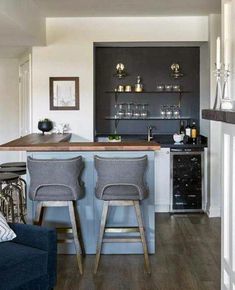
(153, 65)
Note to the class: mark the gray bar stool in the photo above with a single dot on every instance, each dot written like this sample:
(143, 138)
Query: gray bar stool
(121, 183)
(55, 183)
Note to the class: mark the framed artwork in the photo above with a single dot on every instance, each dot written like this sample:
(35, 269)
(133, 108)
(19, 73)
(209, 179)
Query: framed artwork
(64, 93)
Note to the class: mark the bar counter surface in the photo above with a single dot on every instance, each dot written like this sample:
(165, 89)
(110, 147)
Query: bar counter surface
(61, 142)
(59, 146)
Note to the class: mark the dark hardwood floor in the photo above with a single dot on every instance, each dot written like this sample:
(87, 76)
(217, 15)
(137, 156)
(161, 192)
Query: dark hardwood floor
(187, 258)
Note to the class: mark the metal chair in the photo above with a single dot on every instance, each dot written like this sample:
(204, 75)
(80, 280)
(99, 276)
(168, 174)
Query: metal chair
(13, 164)
(121, 183)
(21, 185)
(55, 183)
(11, 204)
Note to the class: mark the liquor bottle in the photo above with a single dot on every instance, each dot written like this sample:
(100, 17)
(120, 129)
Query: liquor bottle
(139, 86)
(188, 130)
(194, 133)
(182, 130)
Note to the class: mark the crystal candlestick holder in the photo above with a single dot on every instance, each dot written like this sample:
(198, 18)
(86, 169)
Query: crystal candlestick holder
(217, 103)
(226, 102)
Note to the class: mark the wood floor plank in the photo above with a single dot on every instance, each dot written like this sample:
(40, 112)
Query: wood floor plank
(187, 258)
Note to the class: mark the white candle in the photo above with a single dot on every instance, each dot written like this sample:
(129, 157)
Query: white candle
(227, 53)
(218, 53)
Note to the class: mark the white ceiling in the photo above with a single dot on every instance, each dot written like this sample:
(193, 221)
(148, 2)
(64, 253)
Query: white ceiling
(118, 8)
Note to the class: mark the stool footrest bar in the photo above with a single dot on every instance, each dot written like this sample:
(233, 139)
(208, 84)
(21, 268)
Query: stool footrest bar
(122, 240)
(62, 241)
(122, 230)
(64, 230)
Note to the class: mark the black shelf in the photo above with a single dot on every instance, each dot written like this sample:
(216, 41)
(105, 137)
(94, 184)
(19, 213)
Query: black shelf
(149, 92)
(147, 118)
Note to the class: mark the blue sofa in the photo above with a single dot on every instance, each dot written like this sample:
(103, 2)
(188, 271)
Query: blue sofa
(29, 261)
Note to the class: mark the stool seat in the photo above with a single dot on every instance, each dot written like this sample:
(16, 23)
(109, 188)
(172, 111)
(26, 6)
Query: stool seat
(120, 193)
(17, 170)
(8, 177)
(13, 164)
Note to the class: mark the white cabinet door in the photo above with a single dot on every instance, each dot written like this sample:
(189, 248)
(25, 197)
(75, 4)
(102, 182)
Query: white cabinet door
(162, 180)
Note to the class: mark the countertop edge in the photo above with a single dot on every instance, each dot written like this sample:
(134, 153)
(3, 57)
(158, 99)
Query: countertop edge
(82, 146)
(219, 115)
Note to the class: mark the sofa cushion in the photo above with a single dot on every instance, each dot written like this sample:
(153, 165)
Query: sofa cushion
(20, 264)
(6, 233)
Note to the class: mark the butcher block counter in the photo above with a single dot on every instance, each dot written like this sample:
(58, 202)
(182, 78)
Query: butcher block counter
(61, 142)
(63, 146)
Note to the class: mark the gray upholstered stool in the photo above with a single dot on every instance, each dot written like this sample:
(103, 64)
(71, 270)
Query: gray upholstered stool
(55, 183)
(121, 183)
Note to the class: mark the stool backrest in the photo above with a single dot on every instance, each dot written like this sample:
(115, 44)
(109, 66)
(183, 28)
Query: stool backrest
(128, 173)
(50, 175)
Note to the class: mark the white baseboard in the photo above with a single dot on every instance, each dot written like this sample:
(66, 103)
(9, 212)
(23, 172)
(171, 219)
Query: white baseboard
(213, 212)
(162, 208)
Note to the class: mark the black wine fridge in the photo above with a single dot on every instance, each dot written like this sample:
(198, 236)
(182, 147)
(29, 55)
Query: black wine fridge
(187, 180)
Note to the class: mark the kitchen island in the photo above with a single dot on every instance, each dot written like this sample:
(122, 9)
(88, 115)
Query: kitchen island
(89, 206)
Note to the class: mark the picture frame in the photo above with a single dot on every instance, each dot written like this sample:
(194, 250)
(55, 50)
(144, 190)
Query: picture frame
(64, 93)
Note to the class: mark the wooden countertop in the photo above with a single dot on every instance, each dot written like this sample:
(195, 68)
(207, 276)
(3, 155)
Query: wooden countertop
(56, 142)
(219, 115)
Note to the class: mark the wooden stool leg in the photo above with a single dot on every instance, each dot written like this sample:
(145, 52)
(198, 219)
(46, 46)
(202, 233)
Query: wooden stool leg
(75, 235)
(77, 218)
(142, 235)
(101, 234)
(39, 214)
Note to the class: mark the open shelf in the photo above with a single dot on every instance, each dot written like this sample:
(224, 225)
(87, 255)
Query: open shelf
(148, 92)
(147, 118)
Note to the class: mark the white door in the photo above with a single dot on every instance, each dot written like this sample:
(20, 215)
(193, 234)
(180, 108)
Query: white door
(25, 99)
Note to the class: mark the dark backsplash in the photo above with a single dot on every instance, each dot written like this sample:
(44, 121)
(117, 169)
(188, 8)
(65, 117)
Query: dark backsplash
(153, 65)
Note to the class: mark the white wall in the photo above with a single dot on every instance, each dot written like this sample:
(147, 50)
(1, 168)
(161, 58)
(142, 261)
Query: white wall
(215, 172)
(69, 52)
(9, 105)
(204, 86)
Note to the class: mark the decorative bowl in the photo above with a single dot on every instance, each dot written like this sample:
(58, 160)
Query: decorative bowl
(178, 137)
(45, 125)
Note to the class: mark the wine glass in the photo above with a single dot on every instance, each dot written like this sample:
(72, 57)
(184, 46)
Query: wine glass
(120, 113)
(163, 111)
(144, 110)
(169, 112)
(129, 110)
(136, 111)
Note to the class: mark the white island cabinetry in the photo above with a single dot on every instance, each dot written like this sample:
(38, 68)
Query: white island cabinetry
(162, 180)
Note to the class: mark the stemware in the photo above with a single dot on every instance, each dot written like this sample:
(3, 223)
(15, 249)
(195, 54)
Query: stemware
(136, 111)
(168, 112)
(163, 111)
(129, 110)
(144, 110)
(120, 113)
